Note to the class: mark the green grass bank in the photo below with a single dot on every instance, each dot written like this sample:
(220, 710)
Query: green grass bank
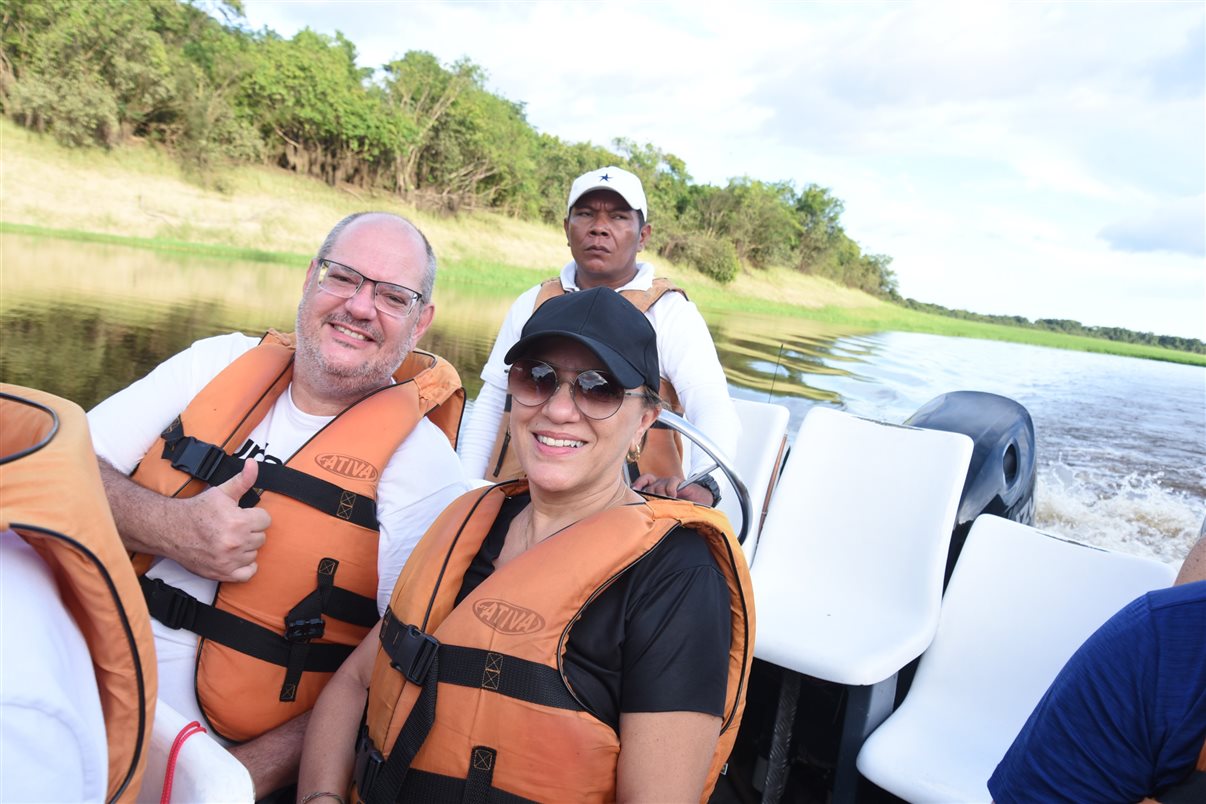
(138, 196)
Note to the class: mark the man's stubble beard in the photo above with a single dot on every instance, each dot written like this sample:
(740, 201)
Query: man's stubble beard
(340, 381)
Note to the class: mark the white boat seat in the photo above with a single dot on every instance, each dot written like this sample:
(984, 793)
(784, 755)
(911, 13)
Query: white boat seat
(1019, 604)
(849, 568)
(848, 574)
(204, 771)
(759, 456)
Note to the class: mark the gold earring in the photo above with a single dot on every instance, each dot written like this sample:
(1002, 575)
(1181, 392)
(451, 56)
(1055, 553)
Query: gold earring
(634, 453)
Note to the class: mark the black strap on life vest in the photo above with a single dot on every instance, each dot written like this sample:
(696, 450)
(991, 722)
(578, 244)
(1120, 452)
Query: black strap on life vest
(176, 608)
(304, 621)
(507, 675)
(425, 661)
(506, 442)
(416, 656)
(477, 788)
(210, 464)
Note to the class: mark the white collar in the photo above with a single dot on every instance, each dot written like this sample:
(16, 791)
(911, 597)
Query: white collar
(642, 281)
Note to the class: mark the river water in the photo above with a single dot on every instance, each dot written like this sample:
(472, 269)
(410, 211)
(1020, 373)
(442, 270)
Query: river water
(1121, 442)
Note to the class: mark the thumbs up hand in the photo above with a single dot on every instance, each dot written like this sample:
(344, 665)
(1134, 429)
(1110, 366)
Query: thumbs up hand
(221, 540)
(241, 483)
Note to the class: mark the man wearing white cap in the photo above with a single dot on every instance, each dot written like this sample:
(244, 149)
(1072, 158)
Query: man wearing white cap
(605, 227)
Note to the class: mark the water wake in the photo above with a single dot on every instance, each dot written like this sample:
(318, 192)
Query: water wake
(1135, 513)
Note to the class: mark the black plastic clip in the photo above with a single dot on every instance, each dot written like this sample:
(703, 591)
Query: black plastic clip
(411, 651)
(198, 459)
(368, 764)
(169, 605)
(305, 630)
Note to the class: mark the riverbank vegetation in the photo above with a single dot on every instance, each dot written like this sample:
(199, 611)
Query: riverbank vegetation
(184, 130)
(108, 72)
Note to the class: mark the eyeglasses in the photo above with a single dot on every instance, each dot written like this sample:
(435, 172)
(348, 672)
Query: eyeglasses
(597, 394)
(344, 281)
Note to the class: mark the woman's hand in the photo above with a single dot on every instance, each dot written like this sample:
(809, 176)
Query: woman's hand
(669, 487)
(330, 747)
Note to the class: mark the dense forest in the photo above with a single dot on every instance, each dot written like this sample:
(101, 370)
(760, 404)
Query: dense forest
(193, 79)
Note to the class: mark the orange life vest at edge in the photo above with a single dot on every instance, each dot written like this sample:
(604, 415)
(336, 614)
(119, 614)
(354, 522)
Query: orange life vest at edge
(52, 497)
(309, 554)
(662, 452)
(518, 621)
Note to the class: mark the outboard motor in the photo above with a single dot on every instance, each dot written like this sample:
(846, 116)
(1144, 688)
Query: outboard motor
(1000, 478)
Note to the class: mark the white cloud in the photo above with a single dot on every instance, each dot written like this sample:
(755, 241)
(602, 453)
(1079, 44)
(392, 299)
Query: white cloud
(1175, 227)
(988, 147)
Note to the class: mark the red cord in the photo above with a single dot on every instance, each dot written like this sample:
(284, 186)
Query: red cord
(170, 770)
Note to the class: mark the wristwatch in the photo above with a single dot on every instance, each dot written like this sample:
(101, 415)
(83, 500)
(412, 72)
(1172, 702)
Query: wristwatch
(710, 484)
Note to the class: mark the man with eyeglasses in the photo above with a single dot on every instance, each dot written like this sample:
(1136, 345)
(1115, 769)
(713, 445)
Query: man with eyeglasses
(280, 485)
(605, 228)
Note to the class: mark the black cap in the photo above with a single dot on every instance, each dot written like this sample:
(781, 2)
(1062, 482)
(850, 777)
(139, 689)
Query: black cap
(604, 322)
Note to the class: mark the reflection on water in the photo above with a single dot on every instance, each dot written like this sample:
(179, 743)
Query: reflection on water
(1120, 441)
(82, 320)
(774, 358)
(85, 319)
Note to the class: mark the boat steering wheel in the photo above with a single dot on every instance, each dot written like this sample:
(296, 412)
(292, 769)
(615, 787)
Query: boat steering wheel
(668, 420)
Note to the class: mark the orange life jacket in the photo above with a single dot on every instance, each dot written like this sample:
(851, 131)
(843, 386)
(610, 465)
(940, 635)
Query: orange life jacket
(51, 495)
(662, 452)
(478, 688)
(268, 646)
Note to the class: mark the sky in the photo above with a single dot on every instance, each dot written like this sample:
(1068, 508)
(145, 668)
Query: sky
(1037, 159)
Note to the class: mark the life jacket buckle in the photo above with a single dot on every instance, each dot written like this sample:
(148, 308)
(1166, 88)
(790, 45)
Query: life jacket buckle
(368, 764)
(304, 630)
(412, 653)
(197, 458)
(170, 606)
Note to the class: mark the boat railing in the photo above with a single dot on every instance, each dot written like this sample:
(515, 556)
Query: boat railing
(677, 423)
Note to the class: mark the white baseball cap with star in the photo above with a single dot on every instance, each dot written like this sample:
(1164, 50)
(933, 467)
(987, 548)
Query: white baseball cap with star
(618, 180)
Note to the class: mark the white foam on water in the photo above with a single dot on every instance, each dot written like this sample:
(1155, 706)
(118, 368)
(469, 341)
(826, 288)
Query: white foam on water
(1134, 513)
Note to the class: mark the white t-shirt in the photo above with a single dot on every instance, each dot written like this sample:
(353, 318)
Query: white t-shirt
(685, 352)
(52, 730)
(418, 482)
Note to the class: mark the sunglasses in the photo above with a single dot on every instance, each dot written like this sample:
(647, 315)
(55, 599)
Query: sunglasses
(597, 394)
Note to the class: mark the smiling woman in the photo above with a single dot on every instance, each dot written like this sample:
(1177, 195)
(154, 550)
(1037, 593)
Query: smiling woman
(570, 440)
(561, 637)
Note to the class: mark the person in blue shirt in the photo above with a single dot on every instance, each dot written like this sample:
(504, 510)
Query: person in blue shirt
(1125, 719)
(1194, 566)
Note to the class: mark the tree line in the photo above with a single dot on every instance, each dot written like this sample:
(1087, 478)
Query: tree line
(105, 72)
(214, 93)
(1066, 326)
